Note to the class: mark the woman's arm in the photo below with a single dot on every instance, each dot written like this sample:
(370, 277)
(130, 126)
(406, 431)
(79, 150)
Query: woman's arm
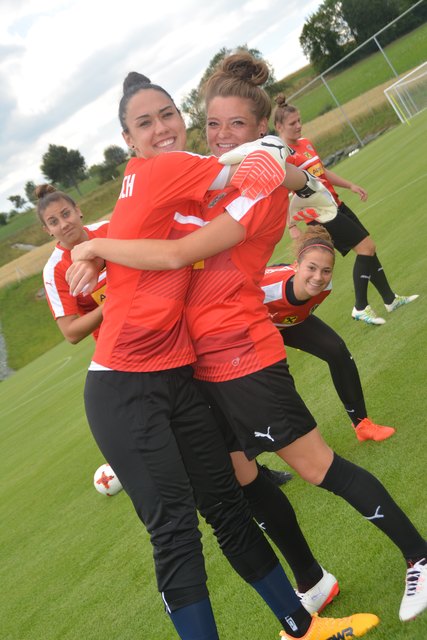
(75, 328)
(338, 181)
(158, 255)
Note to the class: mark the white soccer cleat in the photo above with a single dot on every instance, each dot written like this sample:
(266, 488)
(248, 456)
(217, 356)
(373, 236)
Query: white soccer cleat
(399, 301)
(315, 599)
(414, 599)
(368, 315)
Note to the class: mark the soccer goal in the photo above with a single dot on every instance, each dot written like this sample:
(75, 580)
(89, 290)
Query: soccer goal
(408, 95)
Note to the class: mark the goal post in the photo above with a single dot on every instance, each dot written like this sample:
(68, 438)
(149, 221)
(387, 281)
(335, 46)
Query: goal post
(408, 95)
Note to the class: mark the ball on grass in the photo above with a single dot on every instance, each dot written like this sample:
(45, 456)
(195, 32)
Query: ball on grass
(105, 481)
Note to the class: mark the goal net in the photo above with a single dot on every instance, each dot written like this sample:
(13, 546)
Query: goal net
(408, 95)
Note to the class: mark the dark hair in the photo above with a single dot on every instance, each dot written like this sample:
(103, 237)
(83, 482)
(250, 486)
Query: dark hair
(240, 75)
(132, 84)
(282, 109)
(315, 236)
(46, 194)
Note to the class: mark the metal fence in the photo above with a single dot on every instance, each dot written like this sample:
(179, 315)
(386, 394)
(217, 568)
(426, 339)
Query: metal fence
(352, 105)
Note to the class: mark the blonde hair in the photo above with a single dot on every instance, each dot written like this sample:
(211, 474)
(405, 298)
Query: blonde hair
(240, 75)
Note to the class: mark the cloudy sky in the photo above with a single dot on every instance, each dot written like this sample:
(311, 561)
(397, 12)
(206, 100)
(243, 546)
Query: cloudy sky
(62, 63)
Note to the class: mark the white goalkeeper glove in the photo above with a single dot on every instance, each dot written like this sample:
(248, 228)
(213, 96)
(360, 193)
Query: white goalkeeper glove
(312, 203)
(262, 166)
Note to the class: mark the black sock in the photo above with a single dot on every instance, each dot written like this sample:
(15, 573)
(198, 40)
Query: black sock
(276, 516)
(361, 276)
(356, 411)
(380, 282)
(296, 624)
(368, 496)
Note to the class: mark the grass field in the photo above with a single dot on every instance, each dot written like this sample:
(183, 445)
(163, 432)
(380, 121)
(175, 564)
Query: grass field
(78, 565)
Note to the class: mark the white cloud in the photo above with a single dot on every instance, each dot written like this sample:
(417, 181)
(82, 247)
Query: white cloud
(62, 63)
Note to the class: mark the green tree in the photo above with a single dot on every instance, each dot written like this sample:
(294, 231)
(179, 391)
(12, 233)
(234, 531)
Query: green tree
(104, 172)
(366, 17)
(114, 155)
(65, 166)
(3, 219)
(18, 201)
(192, 104)
(326, 37)
(29, 191)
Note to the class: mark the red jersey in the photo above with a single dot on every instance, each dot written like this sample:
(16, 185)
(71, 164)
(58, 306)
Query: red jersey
(144, 327)
(283, 312)
(306, 157)
(228, 321)
(58, 296)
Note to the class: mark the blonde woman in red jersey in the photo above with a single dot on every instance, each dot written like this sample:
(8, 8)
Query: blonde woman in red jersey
(347, 232)
(292, 294)
(145, 413)
(241, 366)
(62, 219)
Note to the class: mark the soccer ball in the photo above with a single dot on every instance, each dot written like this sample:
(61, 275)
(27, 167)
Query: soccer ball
(105, 481)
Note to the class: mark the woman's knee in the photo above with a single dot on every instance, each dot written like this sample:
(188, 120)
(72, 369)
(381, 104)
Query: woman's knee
(366, 247)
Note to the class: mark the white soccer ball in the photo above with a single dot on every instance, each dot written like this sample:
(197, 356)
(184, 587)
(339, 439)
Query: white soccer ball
(105, 481)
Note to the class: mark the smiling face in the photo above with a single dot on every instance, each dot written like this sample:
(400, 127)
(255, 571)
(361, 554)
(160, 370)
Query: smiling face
(64, 222)
(231, 122)
(290, 128)
(313, 272)
(154, 124)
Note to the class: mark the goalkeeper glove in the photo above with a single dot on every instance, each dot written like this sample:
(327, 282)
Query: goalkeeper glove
(262, 166)
(314, 202)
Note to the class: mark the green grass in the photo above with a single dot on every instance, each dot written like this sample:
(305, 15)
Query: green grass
(78, 565)
(405, 53)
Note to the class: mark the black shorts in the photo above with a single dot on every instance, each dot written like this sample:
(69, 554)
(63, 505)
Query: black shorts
(263, 409)
(345, 229)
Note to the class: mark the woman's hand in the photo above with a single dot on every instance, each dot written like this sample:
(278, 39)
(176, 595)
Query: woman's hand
(82, 276)
(83, 251)
(360, 191)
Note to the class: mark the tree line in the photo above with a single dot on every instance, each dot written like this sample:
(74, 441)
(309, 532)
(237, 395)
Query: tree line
(340, 26)
(66, 168)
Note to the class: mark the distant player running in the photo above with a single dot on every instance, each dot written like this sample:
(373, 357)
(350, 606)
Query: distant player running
(292, 293)
(346, 230)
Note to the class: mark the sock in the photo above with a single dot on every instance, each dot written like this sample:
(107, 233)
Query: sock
(380, 282)
(368, 496)
(195, 621)
(361, 276)
(356, 411)
(275, 515)
(276, 590)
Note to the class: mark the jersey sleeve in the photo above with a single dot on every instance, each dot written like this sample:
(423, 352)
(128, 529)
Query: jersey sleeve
(177, 176)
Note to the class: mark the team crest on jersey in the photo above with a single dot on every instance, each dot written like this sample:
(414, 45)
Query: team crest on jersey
(307, 155)
(290, 320)
(216, 199)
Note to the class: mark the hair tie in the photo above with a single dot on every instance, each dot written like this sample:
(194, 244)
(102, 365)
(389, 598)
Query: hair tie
(310, 246)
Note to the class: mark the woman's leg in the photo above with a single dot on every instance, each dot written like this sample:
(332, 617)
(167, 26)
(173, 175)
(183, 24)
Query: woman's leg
(220, 500)
(317, 338)
(311, 457)
(128, 414)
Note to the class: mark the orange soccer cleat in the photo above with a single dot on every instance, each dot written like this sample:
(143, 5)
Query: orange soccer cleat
(368, 430)
(329, 628)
